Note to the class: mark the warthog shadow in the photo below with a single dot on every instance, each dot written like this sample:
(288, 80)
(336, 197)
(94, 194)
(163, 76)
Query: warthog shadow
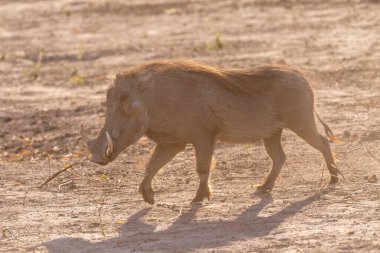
(186, 233)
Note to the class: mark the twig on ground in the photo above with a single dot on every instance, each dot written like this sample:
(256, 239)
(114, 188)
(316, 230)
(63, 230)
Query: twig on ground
(65, 183)
(339, 173)
(100, 218)
(307, 181)
(49, 164)
(374, 157)
(63, 170)
(173, 207)
(310, 183)
(323, 169)
(179, 214)
(102, 204)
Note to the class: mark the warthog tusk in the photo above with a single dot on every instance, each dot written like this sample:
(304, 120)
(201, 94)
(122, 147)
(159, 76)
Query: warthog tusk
(83, 134)
(109, 144)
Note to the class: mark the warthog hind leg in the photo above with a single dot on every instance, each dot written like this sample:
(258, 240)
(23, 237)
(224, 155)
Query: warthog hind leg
(321, 143)
(203, 189)
(276, 153)
(204, 150)
(309, 133)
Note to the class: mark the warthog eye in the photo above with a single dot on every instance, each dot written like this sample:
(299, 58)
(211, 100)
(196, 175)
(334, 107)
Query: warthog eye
(123, 97)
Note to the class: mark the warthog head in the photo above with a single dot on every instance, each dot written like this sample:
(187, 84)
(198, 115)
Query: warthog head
(126, 121)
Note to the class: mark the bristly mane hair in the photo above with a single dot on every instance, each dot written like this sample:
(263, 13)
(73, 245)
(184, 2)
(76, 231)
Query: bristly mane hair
(250, 80)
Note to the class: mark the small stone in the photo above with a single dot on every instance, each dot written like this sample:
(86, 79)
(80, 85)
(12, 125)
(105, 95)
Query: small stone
(373, 179)
(94, 225)
(7, 119)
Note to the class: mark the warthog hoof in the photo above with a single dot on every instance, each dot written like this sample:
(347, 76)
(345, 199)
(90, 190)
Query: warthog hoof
(334, 179)
(147, 193)
(201, 194)
(264, 188)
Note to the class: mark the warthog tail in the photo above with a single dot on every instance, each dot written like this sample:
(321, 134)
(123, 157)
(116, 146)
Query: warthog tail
(328, 130)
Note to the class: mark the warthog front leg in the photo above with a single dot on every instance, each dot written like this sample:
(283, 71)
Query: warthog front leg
(204, 150)
(162, 154)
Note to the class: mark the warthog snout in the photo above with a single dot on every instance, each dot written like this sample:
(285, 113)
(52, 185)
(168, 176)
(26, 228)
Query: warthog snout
(100, 149)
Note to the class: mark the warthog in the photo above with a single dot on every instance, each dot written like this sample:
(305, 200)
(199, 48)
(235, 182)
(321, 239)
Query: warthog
(179, 102)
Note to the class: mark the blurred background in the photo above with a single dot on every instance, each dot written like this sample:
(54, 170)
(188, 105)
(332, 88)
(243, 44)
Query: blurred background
(55, 56)
(57, 59)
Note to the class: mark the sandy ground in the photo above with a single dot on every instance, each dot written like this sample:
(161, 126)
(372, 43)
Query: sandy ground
(55, 60)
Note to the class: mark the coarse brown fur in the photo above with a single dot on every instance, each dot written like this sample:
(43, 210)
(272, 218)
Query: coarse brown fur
(180, 102)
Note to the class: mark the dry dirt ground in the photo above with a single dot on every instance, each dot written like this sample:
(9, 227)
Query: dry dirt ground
(55, 59)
